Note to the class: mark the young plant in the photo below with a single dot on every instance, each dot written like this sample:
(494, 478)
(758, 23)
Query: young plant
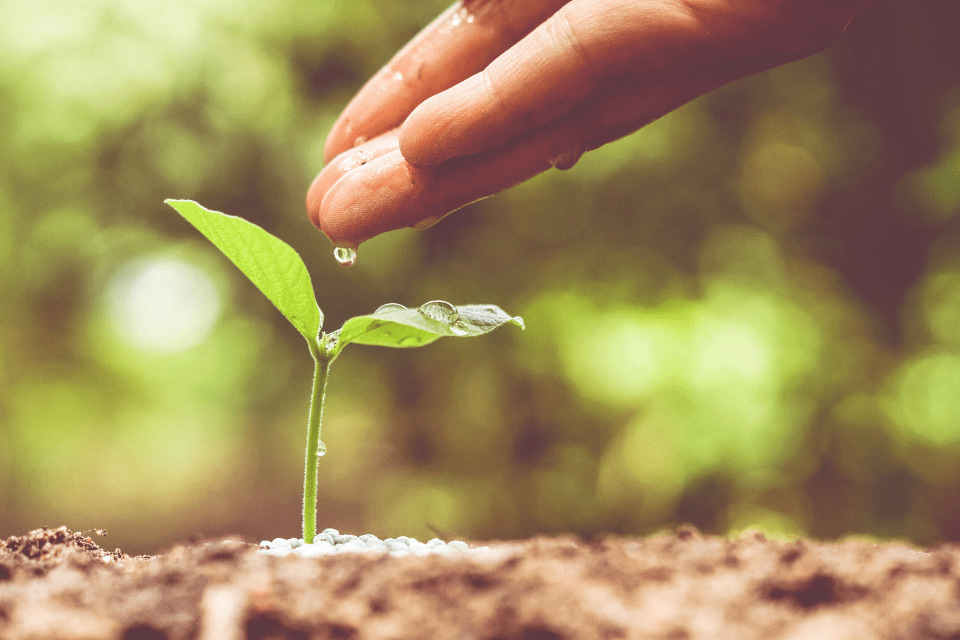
(277, 270)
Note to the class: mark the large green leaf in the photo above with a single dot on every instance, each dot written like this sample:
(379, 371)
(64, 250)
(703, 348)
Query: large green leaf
(269, 262)
(393, 325)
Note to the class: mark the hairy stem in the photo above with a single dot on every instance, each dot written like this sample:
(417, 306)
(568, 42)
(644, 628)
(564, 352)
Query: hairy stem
(313, 442)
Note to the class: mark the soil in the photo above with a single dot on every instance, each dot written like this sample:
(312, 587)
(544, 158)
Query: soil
(682, 585)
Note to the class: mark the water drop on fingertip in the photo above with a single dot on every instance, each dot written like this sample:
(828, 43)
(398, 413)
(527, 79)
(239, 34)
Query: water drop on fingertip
(345, 256)
(567, 158)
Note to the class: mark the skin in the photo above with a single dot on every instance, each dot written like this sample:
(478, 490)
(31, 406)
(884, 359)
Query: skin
(494, 92)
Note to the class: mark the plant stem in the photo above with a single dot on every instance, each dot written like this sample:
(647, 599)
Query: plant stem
(313, 442)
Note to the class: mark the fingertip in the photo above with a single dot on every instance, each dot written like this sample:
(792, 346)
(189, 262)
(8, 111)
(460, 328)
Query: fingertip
(314, 198)
(339, 140)
(444, 126)
(378, 197)
(419, 139)
(342, 164)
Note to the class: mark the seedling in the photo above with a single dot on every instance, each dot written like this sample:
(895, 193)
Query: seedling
(277, 270)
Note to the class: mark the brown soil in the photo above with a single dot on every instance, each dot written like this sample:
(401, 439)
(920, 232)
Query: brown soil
(60, 585)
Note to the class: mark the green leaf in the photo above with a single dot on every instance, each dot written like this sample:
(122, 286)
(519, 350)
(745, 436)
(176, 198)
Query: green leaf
(269, 262)
(393, 325)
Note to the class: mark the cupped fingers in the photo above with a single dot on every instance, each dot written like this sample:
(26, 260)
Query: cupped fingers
(389, 193)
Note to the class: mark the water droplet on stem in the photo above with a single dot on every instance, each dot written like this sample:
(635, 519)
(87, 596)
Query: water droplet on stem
(345, 256)
(321, 449)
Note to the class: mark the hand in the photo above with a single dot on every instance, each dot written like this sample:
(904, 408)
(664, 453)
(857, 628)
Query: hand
(494, 92)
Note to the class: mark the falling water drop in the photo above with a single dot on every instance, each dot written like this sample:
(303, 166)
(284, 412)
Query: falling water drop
(321, 449)
(440, 311)
(390, 306)
(345, 256)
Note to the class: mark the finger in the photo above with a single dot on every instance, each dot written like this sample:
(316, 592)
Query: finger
(458, 44)
(389, 193)
(560, 64)
(347, 161)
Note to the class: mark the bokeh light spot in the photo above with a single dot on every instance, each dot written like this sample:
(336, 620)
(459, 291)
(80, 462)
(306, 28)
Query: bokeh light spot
(941, 306)
(927, 398)
(162, 304)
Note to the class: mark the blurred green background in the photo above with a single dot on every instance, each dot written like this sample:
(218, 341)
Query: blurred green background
(747, 314)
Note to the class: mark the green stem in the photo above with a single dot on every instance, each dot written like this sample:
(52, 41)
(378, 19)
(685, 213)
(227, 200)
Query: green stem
(313, 442)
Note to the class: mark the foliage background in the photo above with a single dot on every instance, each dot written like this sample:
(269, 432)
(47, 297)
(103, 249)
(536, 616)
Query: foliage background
(748, 314)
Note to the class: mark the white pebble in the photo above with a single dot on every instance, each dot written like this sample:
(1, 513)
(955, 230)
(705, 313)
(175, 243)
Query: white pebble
(324, 537)
(332, 541)
(308, 551)
(352, 546)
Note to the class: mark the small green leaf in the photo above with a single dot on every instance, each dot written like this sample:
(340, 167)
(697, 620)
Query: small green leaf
(393, 325)
(269, 262)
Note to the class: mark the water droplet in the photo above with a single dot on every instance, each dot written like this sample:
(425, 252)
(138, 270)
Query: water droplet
(345, 256)
(470, 18)
(390, 306)
(426, 223)
(397, 76)
(460, 328)
(440, 311)
(321, 449)
(456, 18)
(330, 341)
(568, 157)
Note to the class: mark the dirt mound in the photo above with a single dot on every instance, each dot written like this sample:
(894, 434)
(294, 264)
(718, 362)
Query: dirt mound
(58, 584)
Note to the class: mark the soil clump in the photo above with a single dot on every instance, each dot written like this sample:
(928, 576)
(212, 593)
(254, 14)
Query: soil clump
(674, 586)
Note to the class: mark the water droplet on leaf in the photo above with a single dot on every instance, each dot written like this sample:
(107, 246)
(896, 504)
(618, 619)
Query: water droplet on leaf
(321, 449)
(390, 306)
(345, 256)
(460, 328)
(440, 311)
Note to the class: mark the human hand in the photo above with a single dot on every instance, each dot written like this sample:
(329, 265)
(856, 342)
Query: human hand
(494, 92)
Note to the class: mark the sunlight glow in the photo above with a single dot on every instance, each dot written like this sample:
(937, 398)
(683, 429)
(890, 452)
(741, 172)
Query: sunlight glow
(162, 304)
